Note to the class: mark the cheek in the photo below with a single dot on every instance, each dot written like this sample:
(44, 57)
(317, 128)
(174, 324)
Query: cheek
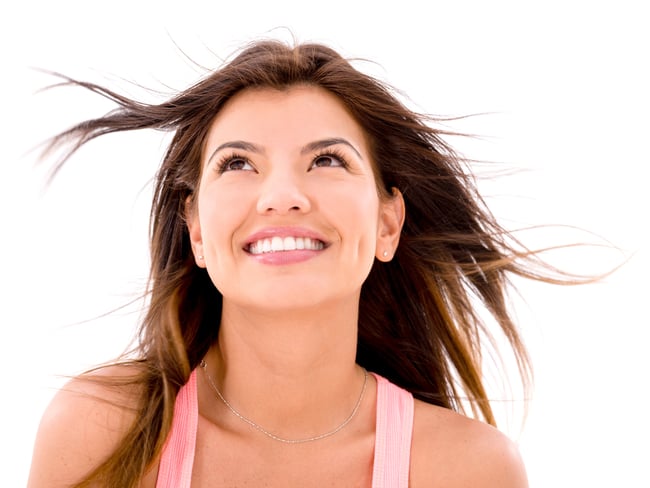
(219, 217)
(357, 210)
(219, 212)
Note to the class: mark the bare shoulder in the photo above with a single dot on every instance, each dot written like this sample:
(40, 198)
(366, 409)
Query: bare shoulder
(454, 451)
(82, 425)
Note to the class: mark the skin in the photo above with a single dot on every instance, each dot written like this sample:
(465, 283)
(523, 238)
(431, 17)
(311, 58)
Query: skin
(286, 350)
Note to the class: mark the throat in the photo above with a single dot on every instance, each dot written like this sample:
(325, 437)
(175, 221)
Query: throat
(275, 436)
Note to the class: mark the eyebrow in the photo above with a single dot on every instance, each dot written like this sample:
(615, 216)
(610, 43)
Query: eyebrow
(312, 146)
(243, 145)
(324, 143)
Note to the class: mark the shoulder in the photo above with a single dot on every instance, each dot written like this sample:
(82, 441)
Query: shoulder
(82, 425)
(454, 451)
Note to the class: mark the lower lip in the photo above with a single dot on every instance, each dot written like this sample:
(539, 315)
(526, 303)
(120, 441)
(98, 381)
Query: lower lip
(285, 257)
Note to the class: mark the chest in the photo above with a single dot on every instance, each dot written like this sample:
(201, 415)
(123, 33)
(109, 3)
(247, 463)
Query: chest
(271, 464)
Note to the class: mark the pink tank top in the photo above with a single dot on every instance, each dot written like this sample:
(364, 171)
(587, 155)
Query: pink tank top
(393, 432)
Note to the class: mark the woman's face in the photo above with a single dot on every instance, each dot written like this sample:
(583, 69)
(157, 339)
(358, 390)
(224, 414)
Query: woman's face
(287, 212)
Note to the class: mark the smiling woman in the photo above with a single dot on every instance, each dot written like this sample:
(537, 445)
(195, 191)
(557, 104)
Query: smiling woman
(317, 252)
(307, 181)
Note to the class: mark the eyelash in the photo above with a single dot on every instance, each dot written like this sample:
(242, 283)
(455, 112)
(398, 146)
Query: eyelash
(333, 153)
(229, 158)
(330, 152)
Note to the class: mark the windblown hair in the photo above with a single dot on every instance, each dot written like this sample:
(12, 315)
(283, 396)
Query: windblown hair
(419, 325)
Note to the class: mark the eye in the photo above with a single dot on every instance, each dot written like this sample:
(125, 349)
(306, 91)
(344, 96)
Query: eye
(234, 162)
(330, 159)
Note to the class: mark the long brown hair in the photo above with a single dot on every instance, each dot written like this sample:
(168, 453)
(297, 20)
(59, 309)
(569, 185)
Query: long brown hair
(419, 325)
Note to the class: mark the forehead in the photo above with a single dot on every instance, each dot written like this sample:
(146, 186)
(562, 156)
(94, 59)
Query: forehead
(285, 118)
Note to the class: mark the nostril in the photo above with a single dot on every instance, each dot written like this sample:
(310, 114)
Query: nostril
(282, 199)
(294, 208)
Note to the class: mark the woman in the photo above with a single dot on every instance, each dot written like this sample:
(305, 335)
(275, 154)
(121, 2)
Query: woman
(316, 254)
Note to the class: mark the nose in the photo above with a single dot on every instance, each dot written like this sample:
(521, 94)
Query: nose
(283, 192)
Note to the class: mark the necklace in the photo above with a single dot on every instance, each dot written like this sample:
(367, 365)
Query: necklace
(275, 437)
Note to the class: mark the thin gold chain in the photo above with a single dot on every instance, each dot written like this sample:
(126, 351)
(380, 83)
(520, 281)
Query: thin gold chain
(275, 437)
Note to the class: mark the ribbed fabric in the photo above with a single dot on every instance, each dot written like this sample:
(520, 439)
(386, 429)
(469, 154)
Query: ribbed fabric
(393, 432)
(177, 459)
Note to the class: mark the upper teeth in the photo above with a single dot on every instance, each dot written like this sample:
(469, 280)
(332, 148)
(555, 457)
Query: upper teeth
(275, 244)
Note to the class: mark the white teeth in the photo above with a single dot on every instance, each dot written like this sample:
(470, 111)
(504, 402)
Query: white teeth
(289, 243)
(277, 244)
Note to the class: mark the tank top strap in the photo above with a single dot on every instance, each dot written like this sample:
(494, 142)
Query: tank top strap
(393, 433)
(177, 458)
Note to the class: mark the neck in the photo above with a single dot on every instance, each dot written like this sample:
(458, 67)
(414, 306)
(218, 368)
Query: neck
(294, 373)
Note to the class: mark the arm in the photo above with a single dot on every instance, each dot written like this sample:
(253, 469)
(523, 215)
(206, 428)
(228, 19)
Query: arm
(80, 428)
(494, 462)
(453, 451)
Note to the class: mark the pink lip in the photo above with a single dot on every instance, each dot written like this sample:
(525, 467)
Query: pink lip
(269, 232)
(285, 257)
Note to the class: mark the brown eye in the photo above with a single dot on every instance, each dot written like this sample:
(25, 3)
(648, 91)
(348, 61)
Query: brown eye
(328, 160)
(235, 163)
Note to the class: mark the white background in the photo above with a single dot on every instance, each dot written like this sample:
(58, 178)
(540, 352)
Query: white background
(566, 84)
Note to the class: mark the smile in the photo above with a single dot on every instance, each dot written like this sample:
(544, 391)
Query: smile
(280, 244)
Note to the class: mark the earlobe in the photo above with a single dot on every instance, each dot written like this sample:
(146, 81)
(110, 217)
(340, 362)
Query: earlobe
(194, 230)
(391, 220)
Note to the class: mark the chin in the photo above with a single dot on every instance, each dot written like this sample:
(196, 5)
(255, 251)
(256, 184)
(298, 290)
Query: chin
(296, 299)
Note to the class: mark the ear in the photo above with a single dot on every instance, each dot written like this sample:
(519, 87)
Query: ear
(391, 219)
(194, 229)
